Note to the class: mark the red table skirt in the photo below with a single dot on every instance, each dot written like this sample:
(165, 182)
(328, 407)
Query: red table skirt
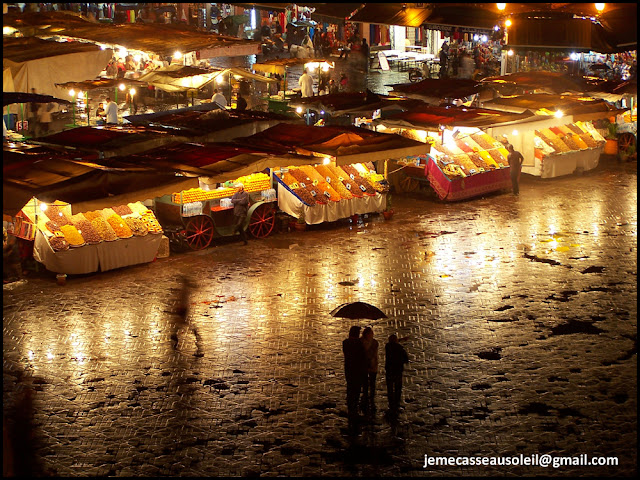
(468, 187)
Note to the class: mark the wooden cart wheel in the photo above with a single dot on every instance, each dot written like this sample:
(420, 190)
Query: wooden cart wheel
(262, 220)
(626, 140)
(408, 184)
(200, 231)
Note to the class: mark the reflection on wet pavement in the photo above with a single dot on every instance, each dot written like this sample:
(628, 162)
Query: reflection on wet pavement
(521, 323)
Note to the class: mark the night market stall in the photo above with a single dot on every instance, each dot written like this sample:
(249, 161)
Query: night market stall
(342, 181)
(463, 160)
(70, 237)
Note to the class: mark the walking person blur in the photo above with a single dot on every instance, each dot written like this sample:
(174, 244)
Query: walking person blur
(240, 201)
(364, 49)
(44, 119)
(355, 368)
(395, 358)
(515, 159)
(181, 315)
(371, 355)
(241, 102)
(444, 59)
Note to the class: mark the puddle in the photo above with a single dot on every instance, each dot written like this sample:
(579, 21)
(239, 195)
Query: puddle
(576, 326)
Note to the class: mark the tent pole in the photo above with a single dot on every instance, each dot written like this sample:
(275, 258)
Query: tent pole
(86, 96)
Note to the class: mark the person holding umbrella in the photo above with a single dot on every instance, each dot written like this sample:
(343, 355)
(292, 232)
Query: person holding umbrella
(355, 369)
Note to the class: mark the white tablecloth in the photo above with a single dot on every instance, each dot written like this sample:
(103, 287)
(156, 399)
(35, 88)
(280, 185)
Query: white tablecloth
(103, 256)
(332, 211)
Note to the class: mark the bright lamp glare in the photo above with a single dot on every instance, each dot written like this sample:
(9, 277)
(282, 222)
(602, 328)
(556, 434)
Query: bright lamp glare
(132, 91)
(600, 7)
(515, 132)
(510, 53)
(177, 55)
(508, 22)
(501, 6)
(122, 87)
(72, 92)
(43, 206)
(299, 110)
(558, 114)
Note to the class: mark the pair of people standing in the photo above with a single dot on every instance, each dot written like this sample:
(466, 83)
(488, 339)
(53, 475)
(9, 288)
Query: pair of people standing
(361, 370)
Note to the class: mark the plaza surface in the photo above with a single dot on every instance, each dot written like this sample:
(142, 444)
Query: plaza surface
(520, 314)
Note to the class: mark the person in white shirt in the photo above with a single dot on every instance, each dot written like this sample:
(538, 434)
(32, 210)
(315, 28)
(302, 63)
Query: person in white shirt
(306, 84)
(111, 111)
(219, 98)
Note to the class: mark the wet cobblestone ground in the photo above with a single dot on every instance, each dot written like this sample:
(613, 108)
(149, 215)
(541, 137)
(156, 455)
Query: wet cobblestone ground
(520, 311)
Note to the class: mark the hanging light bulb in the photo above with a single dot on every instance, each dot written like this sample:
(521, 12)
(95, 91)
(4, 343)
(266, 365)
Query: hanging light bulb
(507, 22)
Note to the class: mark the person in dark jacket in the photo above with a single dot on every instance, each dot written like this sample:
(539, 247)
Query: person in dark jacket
(515, 160)
(241, 103)
(355, 369)
(395, 358)
(240, 201)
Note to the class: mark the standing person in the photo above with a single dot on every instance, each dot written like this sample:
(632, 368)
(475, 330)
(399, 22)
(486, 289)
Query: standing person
(33, 116)
(515, 159)
(111, 111)
(395, 358)
(365, 53)
(343, 82)
(240, 201)
(306, 84)
(44, 119)
(241, 102)
(371, 355)
(181, 315)
(444, 58)
(354, 370)
(112, 69)
(219, 98)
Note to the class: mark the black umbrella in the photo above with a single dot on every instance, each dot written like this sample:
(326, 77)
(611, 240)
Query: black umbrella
(358, 310)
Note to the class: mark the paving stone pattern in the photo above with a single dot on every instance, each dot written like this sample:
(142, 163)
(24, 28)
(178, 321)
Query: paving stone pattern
(520, 311)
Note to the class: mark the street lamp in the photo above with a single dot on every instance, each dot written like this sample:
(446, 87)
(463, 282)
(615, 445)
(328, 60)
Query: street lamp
(72, 93)
(600, 7)
(501, 6)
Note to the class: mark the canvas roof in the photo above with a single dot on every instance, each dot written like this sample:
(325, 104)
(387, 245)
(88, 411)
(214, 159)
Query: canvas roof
(438, 88)
(346, 144)
(432, 117)
(569, 104)
(137, 36)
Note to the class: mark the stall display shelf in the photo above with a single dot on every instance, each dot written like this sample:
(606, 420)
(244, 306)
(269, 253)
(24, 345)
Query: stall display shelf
(305, 189)
(565, 149)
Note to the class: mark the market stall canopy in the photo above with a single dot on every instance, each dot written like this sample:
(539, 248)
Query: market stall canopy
(49, 174)
(432, 118)
(217, 162)
(279, 65)
(112, 140)
(431, 88)
(551, 82)
(41, 64)
(546, 104)
(150, 38)
(21, 97)
(345, 144)
(354, 102)
(179, 78)
(210, 124)
(609, 90)
(392, 14)
(88, 85)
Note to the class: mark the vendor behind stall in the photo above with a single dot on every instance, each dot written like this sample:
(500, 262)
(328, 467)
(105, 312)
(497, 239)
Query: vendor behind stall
(11, 265)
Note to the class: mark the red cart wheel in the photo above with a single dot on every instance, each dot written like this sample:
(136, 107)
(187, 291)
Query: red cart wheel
(626, 140)
(200, 231)
(262, 220)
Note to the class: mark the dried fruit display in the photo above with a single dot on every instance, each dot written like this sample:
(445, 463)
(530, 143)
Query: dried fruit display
(151, 221)
(497, 156)
(463, 146)
(137, 207)
(342, 176)
(568, 139)
(482, 141)
(558, 144)
(575, 129)
(548, 141)
(335, 183)
(137, 226)
(52, 226)
(104, 229)
(486, 158)
(588, 139)
(303, 179)
(579, 141)
(360, 181)
(320, 182)
(304, 195)
(465, 162)
(59, 244)
(123, 210)
(72, 236)
(119, 226)
(477, 161)
(85, 229)
(93, 214)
